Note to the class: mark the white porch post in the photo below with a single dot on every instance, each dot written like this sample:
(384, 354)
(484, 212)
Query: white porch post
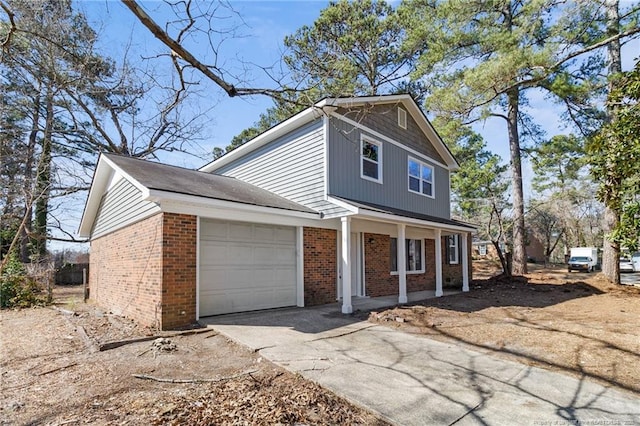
(438, 237)
(346, 265)
(402, 264)
(465, 262)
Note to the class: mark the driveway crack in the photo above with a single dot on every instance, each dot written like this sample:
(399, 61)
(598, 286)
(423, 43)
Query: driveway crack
(346, 333)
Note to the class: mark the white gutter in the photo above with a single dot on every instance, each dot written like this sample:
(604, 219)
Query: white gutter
(158, 196)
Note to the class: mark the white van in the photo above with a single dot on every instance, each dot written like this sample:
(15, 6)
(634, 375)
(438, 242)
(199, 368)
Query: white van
(635, 259)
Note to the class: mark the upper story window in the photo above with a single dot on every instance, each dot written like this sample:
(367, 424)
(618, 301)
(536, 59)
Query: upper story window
(420, 177)
(402, 118)
(371, 160)
(452, 249)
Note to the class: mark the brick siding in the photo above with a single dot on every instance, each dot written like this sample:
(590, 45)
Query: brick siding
(125, 272)
(179, 270)
(147, 271)
(377, 268)
(452, 274)
(379, 281)
(320, 266)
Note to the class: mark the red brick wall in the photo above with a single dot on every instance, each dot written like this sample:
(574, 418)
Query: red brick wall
(320, 266)
(452, 274)
(179, 270)
(125, 272)
(378, 279)
(147, 271)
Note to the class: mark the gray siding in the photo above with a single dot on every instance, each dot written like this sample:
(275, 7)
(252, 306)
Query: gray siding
(120, 206)
(384, 119)
(291, 166)
(345, 180)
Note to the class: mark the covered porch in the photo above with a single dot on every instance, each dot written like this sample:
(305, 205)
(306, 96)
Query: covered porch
(386, 258)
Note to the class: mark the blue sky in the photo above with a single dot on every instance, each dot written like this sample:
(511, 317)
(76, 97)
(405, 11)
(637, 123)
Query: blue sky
(262, 26)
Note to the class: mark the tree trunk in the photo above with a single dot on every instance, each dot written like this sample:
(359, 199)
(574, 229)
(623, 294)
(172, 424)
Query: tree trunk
(506, 268)
(25, 232)
(610, 249)
(519, 251)
(43, 179)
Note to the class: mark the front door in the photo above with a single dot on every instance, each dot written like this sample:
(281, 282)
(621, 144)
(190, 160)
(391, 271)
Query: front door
(356, 265)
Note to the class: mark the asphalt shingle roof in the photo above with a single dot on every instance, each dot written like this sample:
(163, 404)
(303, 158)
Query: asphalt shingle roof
(404, 213)
(179, 180)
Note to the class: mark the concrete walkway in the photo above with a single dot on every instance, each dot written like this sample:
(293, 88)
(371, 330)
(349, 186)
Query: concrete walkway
(413, 380)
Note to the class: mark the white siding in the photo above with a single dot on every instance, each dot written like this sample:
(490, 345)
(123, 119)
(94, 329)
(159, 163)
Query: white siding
(122, 205)
(292, 167)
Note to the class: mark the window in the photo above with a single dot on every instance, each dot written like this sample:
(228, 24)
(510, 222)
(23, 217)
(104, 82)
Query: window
(452, 249)
(482, 249)
(415, 255)
(402, 118)
(420, 178)
(371, 160)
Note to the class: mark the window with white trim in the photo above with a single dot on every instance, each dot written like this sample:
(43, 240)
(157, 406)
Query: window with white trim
(482, 249)
(420, 177)
(371, 160)
(452, 249)
(402, 118)
(414, 251)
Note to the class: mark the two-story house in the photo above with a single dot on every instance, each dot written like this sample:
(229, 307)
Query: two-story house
(348, 199)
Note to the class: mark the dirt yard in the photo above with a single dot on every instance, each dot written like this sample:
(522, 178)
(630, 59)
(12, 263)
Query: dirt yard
(53, 372)
(575, 323)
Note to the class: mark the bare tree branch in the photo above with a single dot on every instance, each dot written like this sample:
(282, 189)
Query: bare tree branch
(180, 51)
(12, 26)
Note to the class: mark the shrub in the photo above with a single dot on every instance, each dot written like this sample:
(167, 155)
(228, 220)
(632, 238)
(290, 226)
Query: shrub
(17, 289)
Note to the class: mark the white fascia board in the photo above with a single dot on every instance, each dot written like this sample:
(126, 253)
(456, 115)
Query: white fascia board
(298, 120)
(162, 197)
(345, 205)
(105, 170)
(126, 175)
(362, 100)
(379, 135)
(387, 217)
(216, 213)
(416, 114)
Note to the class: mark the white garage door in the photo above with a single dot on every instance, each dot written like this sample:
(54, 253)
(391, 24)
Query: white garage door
(246, 266)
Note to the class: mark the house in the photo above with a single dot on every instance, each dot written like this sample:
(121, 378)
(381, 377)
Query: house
(348, 199)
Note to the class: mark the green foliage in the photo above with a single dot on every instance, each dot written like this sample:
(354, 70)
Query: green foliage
(17, 290)
(614, 156)
(480, 177)
(557, 163)
(352, 49)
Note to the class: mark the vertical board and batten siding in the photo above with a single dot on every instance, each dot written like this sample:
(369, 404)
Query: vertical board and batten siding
(291, 166)
(345, 180)
(384, 119)
(122, 205)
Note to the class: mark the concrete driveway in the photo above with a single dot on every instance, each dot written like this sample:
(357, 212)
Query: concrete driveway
(412, 380)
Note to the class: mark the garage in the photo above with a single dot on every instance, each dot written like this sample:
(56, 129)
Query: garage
(245, 267)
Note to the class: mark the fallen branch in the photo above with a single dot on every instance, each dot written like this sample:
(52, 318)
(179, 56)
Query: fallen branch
(118, 343)
(57, 369)
(220, 379)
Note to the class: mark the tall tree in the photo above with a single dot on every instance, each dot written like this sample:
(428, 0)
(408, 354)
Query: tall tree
(614, 155)
(68, 103)
(611, 246)
(478, 189)
(482, 58)
(352, 49)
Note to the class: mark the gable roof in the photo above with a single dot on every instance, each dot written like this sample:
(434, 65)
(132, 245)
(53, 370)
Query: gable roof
(161, 181)
(327, 106)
